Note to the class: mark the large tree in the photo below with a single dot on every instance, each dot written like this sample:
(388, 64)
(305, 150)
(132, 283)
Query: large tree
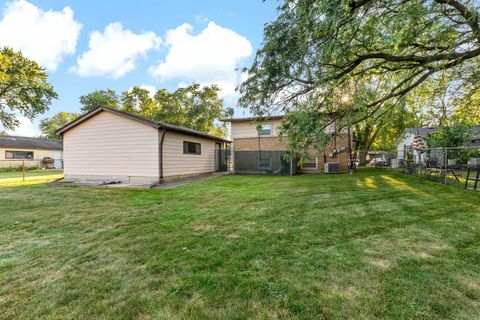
(195, 106)
(23, 88)
(48, 126)
(318, 50)
(99, 98)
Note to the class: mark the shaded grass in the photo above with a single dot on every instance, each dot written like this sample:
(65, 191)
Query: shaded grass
(374, 244)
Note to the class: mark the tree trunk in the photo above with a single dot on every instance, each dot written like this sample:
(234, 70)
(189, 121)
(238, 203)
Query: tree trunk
(362, 158)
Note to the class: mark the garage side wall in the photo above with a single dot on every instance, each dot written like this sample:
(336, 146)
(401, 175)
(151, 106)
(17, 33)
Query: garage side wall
(177, 164)
(111, 147)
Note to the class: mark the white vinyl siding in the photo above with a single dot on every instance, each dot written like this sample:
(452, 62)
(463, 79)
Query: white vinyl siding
(111, 145)
(177, 163)
(248, 129)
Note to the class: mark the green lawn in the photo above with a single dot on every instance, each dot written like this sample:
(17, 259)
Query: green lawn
(13, 178)
(376, 244)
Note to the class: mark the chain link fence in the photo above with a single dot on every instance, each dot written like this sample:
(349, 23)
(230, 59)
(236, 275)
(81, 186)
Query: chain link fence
(14, 171)
(458, 166)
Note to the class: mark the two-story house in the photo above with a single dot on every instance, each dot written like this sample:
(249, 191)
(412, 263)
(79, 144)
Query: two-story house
(258, 148)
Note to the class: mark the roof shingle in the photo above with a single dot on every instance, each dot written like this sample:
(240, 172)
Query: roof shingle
(30, 143)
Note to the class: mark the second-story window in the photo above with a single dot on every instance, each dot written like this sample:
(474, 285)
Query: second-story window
(265, 129)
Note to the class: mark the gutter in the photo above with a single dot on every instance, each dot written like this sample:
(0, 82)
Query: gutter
(161, 138)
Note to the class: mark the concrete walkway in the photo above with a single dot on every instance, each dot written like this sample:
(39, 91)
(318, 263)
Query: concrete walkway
(165, 185)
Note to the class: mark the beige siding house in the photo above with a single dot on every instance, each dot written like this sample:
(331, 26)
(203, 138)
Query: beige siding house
(33, 152)
(107, 144)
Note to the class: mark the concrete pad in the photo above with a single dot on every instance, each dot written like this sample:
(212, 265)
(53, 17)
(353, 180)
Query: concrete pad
(183, 181)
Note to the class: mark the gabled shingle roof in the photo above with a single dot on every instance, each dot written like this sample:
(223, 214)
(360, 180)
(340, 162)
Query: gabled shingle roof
(30, 143)
(154, 124)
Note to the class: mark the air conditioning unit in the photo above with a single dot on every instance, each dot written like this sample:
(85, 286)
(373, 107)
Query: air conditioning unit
(332, 167)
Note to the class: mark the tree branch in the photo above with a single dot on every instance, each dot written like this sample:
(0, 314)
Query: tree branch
(470, 17)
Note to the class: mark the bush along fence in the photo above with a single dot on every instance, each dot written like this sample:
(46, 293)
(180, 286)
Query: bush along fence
(457, 165)
(23, 170)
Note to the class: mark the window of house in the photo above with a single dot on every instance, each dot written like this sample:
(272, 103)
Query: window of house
(265, 129)
(265, 163)
(310, 163)
(12, 154)
(192, 148)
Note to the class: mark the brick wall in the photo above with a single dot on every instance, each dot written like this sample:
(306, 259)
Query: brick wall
(324, 155)
(275, 143)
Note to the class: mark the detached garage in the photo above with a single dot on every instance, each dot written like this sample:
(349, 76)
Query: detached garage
(111, 145)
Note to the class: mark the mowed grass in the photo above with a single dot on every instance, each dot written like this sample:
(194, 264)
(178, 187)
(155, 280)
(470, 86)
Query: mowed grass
(15, 178)
(375, 244)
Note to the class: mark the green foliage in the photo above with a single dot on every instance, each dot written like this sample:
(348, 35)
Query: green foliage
(463, 155)
(376, 51)
(99, 98)
(302, 129)
(449, 136)
(23, 88)
(48, 126)
(18, 168)
(195, 107)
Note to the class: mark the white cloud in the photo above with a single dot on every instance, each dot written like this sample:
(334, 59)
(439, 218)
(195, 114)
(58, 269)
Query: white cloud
(151, 89)
(26, 128)
(210, 57)
(44, 36)
(114, 52)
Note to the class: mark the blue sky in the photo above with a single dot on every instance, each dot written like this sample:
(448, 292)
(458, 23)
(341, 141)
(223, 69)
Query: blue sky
(87, 45)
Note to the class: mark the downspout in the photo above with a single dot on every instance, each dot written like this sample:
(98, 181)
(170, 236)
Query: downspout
(161, 138)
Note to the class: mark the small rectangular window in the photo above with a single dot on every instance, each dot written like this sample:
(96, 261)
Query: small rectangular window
(265, 129)
(192, 148)
(310, 163)
(265, 163)
(12, 154)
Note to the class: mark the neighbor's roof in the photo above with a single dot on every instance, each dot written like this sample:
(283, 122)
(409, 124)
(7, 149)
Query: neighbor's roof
(253, 119)
(154, 124)
(30, 143)
(425, 131)
(422, 131)
(475, 128)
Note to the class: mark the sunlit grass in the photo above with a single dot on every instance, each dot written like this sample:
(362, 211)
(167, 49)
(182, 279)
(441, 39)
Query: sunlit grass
(16, 178)
(243, 247)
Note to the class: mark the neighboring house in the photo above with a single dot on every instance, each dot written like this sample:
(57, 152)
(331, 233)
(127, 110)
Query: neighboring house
(257, 148)
(404, 143)
(475, 140)
(34, 152)
(106, 145)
